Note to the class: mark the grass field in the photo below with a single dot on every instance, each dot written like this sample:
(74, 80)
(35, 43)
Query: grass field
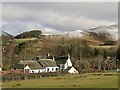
(67, 81)
(24, 40)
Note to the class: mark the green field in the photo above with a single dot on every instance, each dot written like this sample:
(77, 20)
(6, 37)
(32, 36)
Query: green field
(68, 81)
(24, 40)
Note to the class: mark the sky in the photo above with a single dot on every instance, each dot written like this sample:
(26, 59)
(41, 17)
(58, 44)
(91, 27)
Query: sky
(57, 17)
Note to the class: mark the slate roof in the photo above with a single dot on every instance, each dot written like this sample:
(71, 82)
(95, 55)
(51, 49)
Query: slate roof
(32, 64)
(58, 59)
(47, 63)
(68, 68)
(61, 60)
(18, 66)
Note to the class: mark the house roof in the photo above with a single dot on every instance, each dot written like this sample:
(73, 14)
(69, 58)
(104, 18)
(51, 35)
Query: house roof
(47, 63)
(61, 60)
(17, 66)
(68, 68)
(32, 64)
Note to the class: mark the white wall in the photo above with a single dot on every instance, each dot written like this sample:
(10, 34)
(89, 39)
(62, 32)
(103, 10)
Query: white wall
(37, 71)
(68, 63)
(73, 70)
(51, 69)
(27, 67)
(0, 69)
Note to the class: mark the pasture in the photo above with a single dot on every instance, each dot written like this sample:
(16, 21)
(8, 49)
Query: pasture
(24, 40)
(92, 80)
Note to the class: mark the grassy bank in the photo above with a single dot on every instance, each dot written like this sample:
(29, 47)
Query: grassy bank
(68, 81)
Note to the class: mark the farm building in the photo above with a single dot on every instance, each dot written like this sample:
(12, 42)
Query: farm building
(71, 70)
(28, 66)
(49, 65)
(46, 65)
(65, 64)
(38, 66)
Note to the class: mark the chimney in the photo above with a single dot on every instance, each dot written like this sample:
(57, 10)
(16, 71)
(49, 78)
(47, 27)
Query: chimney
(53, 57)
(48, 55)
(37, 58)
(68, 56)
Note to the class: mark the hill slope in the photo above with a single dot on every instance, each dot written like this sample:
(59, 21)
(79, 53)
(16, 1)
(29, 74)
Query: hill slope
(6, 34)
(29, 34)
(110, 31)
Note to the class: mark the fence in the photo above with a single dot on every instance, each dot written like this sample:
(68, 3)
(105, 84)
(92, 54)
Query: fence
(12, 77)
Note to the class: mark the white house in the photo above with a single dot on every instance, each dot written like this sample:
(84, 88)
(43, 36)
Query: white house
(68, 63)
(118, 70)
(34, 67)
(30, 70)
(49, 65)
(46, 65)
(65, 64)
(28, 67)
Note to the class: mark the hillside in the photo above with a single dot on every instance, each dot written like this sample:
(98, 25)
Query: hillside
(29, 34)
(6, 38)
(110, 31)
(6, 34)
(30, 44)
(95, 36)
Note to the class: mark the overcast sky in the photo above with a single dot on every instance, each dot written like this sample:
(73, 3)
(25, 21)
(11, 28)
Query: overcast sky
(57, 17)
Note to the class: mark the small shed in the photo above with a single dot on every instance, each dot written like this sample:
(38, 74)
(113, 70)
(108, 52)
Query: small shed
(72, 70)
(33, 67)
(28, 66)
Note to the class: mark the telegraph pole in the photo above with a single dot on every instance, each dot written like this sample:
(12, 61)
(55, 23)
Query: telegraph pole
(24, 58)
(10, 58)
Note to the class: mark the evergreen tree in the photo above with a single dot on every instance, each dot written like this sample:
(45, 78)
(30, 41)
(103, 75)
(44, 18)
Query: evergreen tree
(96, 52)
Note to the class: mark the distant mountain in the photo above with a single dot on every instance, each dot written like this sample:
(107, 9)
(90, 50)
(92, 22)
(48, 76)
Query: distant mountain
(75, 33)
(110, 31)
(6, 34)
(95, 36)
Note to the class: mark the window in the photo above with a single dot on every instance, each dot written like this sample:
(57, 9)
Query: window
(56, 69)
(52, 69)
(48, 70)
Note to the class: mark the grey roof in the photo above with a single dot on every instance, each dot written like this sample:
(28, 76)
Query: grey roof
(59, 59)
(47, 63)
(68, 68)
(31, 64)
(18, 66)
